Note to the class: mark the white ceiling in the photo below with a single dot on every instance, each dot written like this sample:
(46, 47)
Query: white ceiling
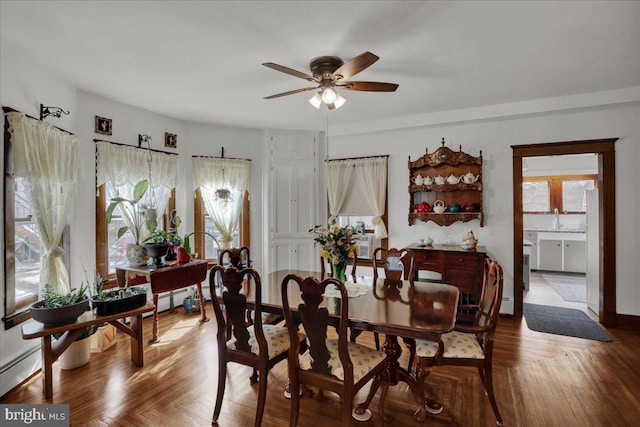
(201, 61)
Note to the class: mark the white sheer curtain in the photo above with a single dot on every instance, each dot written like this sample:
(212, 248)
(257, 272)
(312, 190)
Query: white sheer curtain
(49, 161)
(373, 174)
(338, 181)
(212, 174)
(121, 167)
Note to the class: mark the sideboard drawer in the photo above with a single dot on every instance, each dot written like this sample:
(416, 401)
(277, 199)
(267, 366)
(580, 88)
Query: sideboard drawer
(471, 261)
(426, 260)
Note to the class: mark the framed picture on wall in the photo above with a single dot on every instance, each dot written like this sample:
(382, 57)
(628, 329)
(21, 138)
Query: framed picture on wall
(103, 125)
(170, 140)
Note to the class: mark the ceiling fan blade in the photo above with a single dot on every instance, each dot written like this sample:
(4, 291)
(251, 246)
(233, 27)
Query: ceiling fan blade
(369, 86)
(291, 92)
(289, 71)
(355, 65)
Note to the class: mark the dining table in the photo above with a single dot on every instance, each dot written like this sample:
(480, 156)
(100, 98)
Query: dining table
(396, 308)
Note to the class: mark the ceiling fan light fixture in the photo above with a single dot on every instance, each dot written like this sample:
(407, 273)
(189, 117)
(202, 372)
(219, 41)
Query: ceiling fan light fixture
(339, 102)
(316, 100)
(329, 95)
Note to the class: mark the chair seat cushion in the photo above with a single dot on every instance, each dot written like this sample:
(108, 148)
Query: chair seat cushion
(277, 340)
(364, 359)
(457, 345)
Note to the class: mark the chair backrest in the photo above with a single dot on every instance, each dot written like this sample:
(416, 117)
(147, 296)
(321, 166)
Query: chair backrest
(398, 263)
(232, 322)
(326, 268)
(491, 296)
(238, 257)
(315, 319)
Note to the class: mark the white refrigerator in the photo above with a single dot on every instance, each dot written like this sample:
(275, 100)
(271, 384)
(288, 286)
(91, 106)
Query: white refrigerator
(593, 251)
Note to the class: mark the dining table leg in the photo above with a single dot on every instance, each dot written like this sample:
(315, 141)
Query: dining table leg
(391, 375)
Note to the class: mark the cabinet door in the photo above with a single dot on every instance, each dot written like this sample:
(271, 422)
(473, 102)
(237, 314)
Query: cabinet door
(293, 145)
(284, 196)
(294, 254)
(575, 256)
(550, 255)
(532, 236)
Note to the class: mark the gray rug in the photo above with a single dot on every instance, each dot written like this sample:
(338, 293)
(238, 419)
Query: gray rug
(570, 288)
(563, 321)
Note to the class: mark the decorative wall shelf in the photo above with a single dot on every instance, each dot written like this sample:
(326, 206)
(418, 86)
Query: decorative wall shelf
(445, 162)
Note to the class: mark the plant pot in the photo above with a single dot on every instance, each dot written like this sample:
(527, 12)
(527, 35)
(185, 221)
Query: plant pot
(136, 255)
(117, 302)
(191, 305)
(157, 251)
(58, 315)
(76, 355)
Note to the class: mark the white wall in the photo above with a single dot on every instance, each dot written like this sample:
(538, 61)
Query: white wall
(495, 138)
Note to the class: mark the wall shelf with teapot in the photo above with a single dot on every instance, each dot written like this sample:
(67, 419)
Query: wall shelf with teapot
(445, 187)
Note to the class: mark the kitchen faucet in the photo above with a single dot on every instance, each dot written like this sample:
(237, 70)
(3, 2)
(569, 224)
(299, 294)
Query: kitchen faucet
(556, 219)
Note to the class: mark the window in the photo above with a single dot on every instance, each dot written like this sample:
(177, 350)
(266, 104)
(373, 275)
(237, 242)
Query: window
(543, 194)
(204, 246)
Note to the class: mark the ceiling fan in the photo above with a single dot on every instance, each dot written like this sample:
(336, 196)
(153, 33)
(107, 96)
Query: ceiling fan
(330, 73)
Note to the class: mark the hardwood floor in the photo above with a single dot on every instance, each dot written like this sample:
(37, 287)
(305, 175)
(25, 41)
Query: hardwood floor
(540, 380)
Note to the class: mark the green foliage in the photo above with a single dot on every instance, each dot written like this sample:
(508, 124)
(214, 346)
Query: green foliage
(52, 299)
(338, 243)
(134, 209)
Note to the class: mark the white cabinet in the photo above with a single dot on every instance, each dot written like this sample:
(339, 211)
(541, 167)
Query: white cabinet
(532, 236)
(292, 200)
(562, 251)
(575, 256)
(550, 255)
(294, 254)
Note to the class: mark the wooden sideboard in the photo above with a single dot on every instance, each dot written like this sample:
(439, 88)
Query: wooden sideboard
(459, 267)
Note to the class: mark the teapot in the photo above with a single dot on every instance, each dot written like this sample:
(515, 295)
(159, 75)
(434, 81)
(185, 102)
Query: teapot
(452, 179)
(418, 180)
(439, 207)
(423, 207)
(471, 207)
(428, 180)
(439, 179)
(469, 178)
(454, 208)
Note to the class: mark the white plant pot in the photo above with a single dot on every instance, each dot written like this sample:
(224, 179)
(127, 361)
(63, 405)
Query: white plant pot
(76, 355)
(136, 255)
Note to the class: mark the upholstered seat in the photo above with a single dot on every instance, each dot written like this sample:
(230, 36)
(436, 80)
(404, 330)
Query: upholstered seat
(277, 340)
(456, 345)
(364, 359)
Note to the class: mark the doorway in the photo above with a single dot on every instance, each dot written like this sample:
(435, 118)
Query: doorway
(604, 149)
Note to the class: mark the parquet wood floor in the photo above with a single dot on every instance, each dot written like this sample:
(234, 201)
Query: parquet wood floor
(540, 379)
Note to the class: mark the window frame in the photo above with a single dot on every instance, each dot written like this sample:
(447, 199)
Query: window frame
(555, 191)
(199, 213)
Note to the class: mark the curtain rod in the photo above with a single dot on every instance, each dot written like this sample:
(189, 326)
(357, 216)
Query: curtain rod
(13, 110)
(217, 157)
(357, 158)
(137, 148)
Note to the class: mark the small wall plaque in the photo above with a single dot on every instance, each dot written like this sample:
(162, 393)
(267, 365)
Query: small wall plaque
(103, 125)
(170, 140)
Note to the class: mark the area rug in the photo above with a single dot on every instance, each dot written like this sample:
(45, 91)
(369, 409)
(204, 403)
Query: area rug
(563, 321)
(570, 288)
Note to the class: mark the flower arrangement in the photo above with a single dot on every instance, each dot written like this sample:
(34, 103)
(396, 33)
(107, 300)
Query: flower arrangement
(338, 244)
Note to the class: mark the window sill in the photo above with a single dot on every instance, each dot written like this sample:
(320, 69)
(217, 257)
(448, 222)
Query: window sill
(16, 318)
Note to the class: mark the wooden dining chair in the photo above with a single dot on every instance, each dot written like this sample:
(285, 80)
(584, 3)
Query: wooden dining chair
(241, 258)
(396, 264)
(331, 364)
(468, 345)
(260, 346)
(326, 268)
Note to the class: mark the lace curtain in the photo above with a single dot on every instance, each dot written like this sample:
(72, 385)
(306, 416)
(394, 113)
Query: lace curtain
(338, 180)
(212, 174)
(121, 167)
(49, 161)
(369, 179)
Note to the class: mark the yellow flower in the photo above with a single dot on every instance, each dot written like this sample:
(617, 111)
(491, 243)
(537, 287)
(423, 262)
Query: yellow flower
(324, 253)
(335, 261)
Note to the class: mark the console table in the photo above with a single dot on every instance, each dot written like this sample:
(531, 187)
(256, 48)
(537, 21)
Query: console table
(462, 268)
(52, 350)
(164, 279)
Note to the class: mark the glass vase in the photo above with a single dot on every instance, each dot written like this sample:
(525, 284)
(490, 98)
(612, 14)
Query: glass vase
(339, 271)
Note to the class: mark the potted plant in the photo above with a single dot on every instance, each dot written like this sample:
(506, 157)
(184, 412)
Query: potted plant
(135, 210)
(191, 302)
(185, 241)
(59, 309)
(158, 244)
(107, 302)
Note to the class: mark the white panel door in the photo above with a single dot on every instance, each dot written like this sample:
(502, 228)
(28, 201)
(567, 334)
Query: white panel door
(304, 205)
(283, 196)
(593, 252)
(575, 256)
(550, 255)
